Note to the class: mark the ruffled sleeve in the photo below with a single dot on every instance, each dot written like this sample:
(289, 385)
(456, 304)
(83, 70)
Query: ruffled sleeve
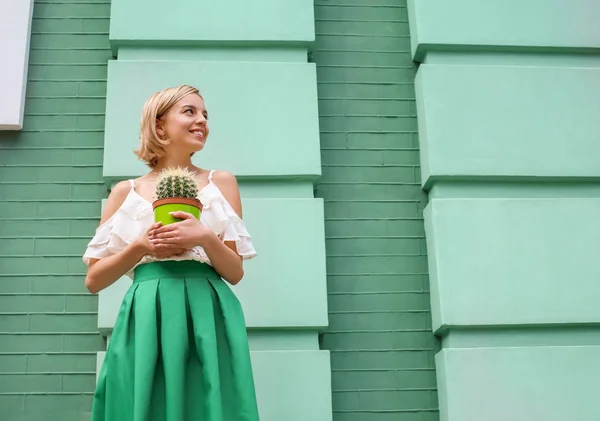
(97, 248)
(218, 215)
(120, 230)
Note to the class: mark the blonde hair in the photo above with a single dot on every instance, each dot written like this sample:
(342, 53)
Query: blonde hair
(152, 147)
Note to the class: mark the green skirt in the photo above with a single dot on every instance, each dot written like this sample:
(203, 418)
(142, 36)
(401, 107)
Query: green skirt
(178, 352)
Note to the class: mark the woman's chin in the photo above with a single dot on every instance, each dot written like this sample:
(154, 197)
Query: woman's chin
(196, 145)
(192, 145)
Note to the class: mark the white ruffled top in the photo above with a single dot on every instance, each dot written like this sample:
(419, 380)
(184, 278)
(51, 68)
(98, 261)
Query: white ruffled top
(135, 216)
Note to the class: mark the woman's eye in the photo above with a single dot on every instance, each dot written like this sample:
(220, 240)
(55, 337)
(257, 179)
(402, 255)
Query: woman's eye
(189, 110)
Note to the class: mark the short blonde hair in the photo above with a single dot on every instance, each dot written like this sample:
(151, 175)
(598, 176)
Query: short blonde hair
(152, 147)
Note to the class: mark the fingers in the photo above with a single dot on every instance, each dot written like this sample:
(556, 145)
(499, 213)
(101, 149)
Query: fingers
(172, 241)
(182, 215)
(164, 235)
(164, 247)
(166, 229)
(153, 228)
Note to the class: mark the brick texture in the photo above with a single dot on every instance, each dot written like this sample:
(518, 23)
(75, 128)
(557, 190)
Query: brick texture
(50, 190)
(380, 334)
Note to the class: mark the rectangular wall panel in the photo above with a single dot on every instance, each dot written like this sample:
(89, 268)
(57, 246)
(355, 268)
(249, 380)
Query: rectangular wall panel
(504, 25)
(186, 21)
(530, 122)
(263, 116)
(519, 384)
(523, 261)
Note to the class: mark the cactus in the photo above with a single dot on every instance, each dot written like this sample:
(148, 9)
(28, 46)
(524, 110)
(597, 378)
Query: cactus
(176, 182)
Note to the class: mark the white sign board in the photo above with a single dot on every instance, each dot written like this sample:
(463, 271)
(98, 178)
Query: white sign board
(15, 32)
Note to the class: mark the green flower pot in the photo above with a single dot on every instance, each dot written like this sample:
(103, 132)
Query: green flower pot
(163, 207)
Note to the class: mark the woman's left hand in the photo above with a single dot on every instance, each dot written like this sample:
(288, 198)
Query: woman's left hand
(185, 234)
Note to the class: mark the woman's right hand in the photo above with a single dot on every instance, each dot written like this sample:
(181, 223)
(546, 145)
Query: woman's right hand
(150, 249)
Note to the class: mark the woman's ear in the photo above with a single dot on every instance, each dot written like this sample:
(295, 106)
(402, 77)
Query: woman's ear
(160, 129)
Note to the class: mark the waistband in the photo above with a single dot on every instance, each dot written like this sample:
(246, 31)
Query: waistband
(173, 269)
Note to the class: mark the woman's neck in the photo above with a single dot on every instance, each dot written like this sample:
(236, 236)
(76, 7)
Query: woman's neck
(172, 162)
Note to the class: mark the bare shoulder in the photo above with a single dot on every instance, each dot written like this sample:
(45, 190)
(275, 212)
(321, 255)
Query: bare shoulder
(227, 183)
(121, 189)
(117, 196)
(224, 178)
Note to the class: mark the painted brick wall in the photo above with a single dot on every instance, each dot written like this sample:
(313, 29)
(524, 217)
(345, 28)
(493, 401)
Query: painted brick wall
(50, 192)
(380, 337)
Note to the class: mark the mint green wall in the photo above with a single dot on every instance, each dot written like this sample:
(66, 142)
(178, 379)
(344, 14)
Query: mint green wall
(508, 123)
(250, 63)
(379, 333)
(50, 191)
(254, 24)
(479, 290)
(455, 98)
(535, 26)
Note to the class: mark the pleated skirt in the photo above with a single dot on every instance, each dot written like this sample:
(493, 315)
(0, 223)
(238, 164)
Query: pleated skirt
(178, 352)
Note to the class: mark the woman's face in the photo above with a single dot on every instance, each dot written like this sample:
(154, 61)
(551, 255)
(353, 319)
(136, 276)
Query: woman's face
(185, 124)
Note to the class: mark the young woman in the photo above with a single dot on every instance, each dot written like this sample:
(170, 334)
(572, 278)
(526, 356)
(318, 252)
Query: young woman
(179, 350)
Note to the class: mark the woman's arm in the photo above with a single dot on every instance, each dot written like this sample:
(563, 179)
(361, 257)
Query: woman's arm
(190, 233)
(223, 258)
(104, 272)
(223, 255)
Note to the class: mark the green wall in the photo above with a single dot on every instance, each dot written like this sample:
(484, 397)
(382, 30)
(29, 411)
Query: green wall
(50, 191)
(507, 100)
(379, 336)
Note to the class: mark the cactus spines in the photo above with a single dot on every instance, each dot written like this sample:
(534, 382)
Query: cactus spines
(176, 182)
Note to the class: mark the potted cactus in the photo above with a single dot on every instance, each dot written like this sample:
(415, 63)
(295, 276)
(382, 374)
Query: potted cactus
(176, 190)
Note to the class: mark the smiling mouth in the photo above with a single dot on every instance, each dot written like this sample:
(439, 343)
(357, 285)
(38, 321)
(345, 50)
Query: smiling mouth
(198, 133)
